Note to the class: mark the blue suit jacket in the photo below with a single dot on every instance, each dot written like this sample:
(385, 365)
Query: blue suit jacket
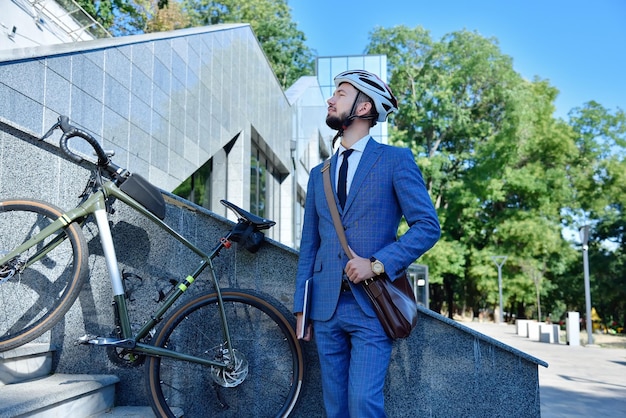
(386, 186)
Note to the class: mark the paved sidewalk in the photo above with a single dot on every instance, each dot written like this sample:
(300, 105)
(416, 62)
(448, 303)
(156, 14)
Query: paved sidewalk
(578, 382)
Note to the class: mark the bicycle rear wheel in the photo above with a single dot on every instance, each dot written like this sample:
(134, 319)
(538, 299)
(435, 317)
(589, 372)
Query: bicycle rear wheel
(262, 337)
(34, 297)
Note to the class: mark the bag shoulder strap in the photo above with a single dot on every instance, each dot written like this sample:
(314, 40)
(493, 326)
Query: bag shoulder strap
(332, 206)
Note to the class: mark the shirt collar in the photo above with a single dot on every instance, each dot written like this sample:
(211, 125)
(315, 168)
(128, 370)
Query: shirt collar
(358, 145)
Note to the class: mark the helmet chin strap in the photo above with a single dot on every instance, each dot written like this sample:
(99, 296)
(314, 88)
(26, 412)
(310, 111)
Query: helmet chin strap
(348, 120)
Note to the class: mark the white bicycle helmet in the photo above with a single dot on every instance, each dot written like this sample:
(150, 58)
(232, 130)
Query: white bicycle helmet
(375, 88)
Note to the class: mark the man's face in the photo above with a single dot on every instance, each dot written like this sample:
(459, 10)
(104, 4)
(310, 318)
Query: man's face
(340, 105)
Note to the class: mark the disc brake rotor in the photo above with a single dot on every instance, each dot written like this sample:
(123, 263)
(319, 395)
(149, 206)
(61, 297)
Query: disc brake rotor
(234, 373)
(7, 271)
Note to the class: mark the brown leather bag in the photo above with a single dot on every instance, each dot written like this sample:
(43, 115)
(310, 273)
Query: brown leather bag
(393, 301)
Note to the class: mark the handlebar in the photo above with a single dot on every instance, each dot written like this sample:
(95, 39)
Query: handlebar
(70, 131)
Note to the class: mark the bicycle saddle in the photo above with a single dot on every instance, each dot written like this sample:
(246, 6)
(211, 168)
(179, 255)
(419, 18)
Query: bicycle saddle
(258, 222)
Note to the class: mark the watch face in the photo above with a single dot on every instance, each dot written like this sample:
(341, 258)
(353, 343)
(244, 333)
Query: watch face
(377, 267)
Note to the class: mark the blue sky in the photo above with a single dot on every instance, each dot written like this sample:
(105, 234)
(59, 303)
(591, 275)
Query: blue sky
(579, 46)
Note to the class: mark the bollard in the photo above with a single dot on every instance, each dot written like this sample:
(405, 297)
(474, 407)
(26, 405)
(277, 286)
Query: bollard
(572, 328)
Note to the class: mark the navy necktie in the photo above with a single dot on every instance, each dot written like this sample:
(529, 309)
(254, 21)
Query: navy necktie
(343, 178)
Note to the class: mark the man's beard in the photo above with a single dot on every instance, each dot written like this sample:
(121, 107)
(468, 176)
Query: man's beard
(335, 122)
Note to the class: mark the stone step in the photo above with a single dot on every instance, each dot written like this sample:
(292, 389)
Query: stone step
(59, 395)
(27, 362)
(132, 412)
(126, 412)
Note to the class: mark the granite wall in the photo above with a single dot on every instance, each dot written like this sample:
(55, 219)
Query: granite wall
(442, 370)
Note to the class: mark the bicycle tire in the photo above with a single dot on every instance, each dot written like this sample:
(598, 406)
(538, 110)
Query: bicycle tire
(260, 327)
(33, 299)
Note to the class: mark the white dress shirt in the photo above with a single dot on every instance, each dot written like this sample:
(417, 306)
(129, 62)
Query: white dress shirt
(353, 161)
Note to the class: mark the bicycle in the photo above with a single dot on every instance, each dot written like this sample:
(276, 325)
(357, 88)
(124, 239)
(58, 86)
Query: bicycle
(242, 341)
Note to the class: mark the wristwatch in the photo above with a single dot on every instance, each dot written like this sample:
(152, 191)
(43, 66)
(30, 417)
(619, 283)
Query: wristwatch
(377, 266)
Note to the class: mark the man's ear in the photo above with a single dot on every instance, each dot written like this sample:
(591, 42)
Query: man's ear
(364, 108)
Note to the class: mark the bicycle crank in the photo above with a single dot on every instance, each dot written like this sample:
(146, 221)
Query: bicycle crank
(107, 341)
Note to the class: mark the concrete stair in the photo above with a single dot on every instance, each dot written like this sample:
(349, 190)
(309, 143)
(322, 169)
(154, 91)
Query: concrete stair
(27, 389)
(27, 362)
(127, 412)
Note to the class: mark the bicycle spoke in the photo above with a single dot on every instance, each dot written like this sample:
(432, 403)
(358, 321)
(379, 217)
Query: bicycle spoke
(45, 279)
(273, 362)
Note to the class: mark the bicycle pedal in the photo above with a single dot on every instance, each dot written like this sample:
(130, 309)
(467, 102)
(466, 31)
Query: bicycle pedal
(86, 339)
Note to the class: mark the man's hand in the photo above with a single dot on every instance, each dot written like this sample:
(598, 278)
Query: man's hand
(358, 268)
(309, 329)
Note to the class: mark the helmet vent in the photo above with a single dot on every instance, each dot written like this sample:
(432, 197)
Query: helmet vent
(374, 85)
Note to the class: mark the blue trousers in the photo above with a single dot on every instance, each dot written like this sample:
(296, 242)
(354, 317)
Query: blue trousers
(354, 354)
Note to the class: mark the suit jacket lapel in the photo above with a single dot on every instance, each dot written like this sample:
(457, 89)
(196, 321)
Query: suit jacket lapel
(368, 159)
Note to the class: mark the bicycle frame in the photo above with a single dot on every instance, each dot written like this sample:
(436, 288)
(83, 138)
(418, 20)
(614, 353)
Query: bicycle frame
(96, 204)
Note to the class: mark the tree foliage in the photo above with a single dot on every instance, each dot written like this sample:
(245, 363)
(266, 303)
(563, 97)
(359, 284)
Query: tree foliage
(598, 177)
(506, 176)
(120, 17)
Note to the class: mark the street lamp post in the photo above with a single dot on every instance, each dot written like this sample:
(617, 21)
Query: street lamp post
(499, 261)
(584, 238)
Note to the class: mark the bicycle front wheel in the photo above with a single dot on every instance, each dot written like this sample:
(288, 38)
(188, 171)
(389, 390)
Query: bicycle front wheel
(38, 286)
(266, 378)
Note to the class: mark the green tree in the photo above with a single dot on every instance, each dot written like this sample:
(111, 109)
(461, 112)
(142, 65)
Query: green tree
(598, 175)
(494, 160)
(168, 16)
(120, 17)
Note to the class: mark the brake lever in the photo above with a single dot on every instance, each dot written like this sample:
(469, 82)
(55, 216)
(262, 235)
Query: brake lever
(55, 126)
(63, 122)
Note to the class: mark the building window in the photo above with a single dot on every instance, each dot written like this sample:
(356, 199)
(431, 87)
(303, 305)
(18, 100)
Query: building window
(204, 184)
(258, 182)
(266, 175)
(197, 187)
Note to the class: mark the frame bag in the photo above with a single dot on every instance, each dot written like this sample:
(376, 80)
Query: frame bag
(393, 301)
